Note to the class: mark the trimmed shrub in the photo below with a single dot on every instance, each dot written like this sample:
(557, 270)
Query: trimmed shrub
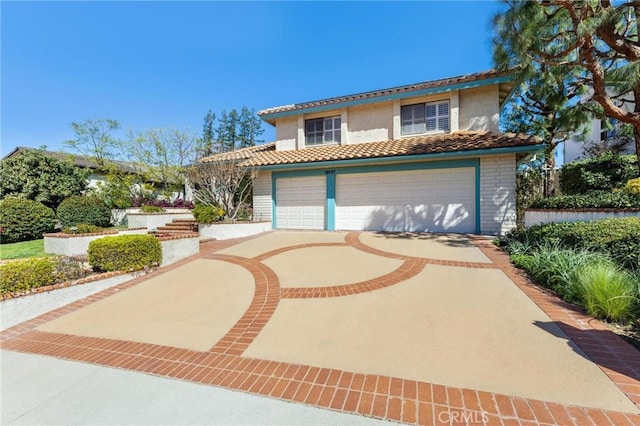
(207, 214)
(23, 275)
(633, 186)
(84, 209)
(602, 173)
(124, 253)
(151, 209)
(82, 228)
(596, 199)
(605, 291)
(24, 220)
(618, 238)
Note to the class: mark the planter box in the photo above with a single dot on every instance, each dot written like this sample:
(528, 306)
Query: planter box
(179, 247)
(78, 244)
(226, 231)
(537, 216)
(153, 220)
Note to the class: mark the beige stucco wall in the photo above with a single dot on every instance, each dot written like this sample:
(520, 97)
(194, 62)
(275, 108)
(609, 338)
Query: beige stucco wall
(479, 108)
(370, 123)
(262, 196)
(286, 133)
(497, 194)
(470, 109)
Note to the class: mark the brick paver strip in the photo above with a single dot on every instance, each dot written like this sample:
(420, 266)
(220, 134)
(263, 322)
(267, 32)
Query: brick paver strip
(391, 398)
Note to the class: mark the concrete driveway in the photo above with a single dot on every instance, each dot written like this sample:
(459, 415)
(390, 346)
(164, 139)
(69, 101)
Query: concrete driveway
(418, 328)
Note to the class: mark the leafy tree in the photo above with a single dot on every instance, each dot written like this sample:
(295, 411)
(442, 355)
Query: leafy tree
(227, 184)
(165, 153)
(94, 138)
(593, 43)
(544, 106)
(34, 175)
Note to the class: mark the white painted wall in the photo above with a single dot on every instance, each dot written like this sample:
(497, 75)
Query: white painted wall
(535, 217)
(497, 194)
(574, 148)
(178, 249)
(153, 220)
(286, 133)
(262, 203)
(78, 245)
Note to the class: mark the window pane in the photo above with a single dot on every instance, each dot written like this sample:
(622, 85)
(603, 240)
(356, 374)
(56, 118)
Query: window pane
(431, 124)
(443, 123)
(431, 110)
(443, 108)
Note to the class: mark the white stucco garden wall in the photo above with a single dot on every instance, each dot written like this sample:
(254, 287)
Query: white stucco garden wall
(497, 194)
(176, 249)
(72, 245)
(537, 216)
(153, 220)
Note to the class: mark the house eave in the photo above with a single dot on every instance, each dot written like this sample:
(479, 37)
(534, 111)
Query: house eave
(271, 117)
(404, 158)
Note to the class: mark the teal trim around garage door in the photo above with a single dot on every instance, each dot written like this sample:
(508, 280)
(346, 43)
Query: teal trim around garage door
(330, 203)
(331, 200)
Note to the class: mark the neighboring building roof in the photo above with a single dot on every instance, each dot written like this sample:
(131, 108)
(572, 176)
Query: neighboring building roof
(80, 160)
(451, 83)
(433, 144)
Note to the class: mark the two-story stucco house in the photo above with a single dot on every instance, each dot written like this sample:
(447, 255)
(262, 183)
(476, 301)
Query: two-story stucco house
(421, 157)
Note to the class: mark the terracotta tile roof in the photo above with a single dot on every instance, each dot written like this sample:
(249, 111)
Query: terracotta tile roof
(239, 154)
(444, 143)
(393, 90)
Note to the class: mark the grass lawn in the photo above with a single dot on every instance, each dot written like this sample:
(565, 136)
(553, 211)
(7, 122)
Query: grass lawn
(22, 250)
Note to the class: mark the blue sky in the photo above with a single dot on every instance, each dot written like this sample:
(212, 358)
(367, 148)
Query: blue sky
(164, 64)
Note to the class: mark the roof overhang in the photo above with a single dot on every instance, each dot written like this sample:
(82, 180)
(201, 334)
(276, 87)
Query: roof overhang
(505, 83)
(520, 151)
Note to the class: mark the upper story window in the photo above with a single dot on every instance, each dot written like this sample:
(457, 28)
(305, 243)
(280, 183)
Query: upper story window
(423, 118)
(319, 131)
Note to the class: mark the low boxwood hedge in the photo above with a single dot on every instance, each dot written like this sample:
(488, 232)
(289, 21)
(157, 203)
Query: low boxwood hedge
(618, 238)
(596, 199)
(23, 275)
(125, 253)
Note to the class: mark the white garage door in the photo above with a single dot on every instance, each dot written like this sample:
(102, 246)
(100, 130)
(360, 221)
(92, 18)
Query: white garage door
(425, 200)
(300, 202)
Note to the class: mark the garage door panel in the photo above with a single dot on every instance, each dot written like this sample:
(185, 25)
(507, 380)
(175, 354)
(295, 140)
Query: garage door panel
(300, 202)
(424, 200)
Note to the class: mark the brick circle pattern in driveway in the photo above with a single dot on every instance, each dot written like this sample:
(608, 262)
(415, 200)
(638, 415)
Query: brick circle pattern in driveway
(391, 398)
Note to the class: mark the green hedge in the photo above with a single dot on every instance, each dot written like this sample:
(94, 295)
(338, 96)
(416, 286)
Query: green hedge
(125, 252)
(151, 209)
(84, 209)
(603, 173)
(617, 238)
(24, 220)
(597, 199)
(23, 275)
